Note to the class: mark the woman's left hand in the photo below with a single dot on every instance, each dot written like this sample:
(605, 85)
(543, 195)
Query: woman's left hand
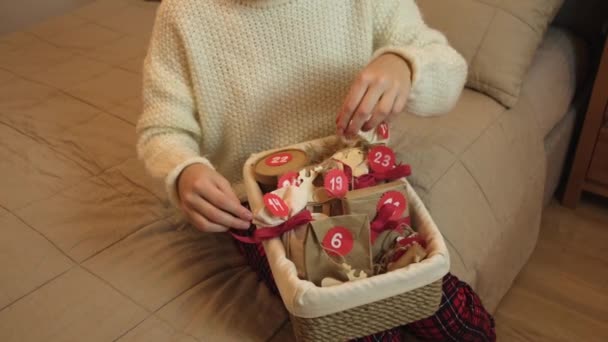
(381, 89)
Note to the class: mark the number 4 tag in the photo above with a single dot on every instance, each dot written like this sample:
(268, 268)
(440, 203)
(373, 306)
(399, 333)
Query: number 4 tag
(395, 198)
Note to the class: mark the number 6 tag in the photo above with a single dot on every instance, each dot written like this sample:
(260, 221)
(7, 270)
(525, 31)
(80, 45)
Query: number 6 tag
(338, 240)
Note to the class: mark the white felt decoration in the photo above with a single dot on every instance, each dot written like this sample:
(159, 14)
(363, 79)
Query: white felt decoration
(372, 137)
(295, 196)
(355, 159)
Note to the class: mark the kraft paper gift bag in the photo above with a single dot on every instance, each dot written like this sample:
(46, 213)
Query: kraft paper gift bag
(384, 242)
(365, 201)
(336, 240)
(293, 241)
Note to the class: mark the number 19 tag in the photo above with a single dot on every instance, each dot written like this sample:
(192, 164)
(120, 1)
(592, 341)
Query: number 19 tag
(338, 240)
(336, 183)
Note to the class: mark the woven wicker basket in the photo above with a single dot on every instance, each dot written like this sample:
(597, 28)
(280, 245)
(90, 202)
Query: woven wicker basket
(363, 307)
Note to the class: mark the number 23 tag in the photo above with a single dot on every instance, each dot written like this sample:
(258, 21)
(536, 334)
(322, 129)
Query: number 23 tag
(338, 240)
(381, 159)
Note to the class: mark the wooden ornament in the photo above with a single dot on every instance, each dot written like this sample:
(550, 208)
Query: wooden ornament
(414, 254)
(350, 274)
(271, 167)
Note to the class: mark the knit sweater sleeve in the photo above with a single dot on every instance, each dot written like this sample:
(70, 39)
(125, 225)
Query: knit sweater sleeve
(438, 71)
(168, 132)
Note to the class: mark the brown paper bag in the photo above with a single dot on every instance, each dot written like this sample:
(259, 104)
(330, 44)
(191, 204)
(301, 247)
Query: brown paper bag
(328, 244)
(384, 242)
(414, 254)
(293, 241)
(365, 201)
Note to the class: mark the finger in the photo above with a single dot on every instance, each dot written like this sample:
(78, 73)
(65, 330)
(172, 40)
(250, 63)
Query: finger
(383, 109)
(353, 99)
(218, 216)
(203, 224)
(220, 201)
(364, 111)
(242, 212)
(400, 102)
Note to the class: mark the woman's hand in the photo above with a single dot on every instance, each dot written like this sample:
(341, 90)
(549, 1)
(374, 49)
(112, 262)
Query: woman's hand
(381, 89)
(209, 202)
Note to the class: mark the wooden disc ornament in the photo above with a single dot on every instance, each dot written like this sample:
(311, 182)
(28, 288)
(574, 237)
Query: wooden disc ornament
(271, 167)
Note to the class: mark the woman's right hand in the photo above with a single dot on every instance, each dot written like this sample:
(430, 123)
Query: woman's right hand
(209, 202)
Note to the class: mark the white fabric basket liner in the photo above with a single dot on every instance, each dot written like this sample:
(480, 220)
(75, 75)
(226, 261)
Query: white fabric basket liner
(304, 299)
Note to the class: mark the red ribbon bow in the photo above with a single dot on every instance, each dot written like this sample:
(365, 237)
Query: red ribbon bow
(372, 178)
(407, 243)
(265, 233)
(382, 222)
(399, 171)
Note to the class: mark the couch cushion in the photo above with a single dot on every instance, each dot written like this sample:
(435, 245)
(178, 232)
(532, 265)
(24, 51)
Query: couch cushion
(434, 145)
(559, 68)
(497, 38)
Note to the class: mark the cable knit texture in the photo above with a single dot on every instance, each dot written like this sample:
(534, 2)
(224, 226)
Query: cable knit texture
(227, 78)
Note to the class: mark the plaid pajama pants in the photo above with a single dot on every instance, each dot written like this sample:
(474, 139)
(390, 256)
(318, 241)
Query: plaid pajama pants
(461, 316)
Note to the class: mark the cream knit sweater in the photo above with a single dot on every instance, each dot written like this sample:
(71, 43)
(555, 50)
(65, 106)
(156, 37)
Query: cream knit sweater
(227, 78)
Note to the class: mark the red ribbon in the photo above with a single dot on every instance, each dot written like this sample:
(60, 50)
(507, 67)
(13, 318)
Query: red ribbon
(414, 238)
(407, 243)
(382, 222)
(372, 178)
(383, 216)
(365, 181)
(399, 171)
(265, 233)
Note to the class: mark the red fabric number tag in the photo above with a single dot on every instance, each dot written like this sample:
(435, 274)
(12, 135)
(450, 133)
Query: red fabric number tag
(381, 159)
(336, 183)
(383, 130)
(276, 205)
(338, 240)
(395, 198)
(290, 178)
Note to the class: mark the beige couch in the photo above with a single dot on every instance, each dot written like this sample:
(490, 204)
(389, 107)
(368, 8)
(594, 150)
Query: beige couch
(87, 247)
(486, 170)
